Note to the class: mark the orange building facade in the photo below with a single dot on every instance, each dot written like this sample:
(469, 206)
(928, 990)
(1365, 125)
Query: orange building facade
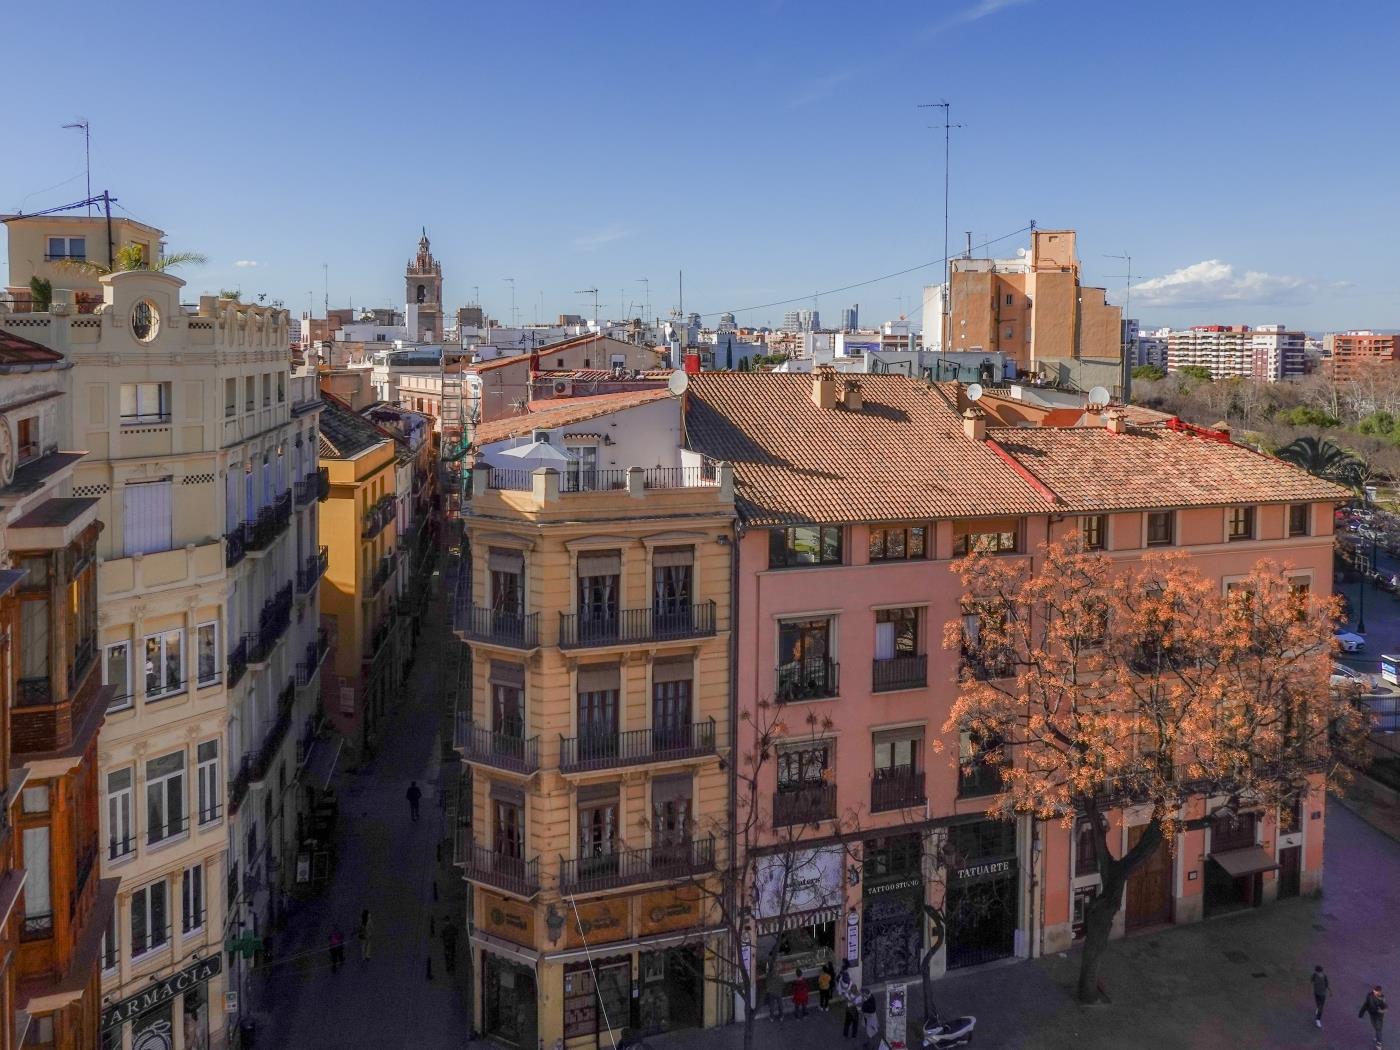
(852, 513)
(1349, 355)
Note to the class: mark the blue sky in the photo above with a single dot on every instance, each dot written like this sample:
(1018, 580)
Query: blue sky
(1244, 153)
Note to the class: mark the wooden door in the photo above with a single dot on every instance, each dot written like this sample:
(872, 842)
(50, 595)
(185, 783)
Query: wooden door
(1290, 876)
(1150, 887)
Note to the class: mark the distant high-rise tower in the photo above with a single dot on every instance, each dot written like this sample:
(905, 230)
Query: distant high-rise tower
(423, 293)
(792, 321)
(850, 318)
(727, 323)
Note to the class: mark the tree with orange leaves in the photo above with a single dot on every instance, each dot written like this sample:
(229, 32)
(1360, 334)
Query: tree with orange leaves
(1091, 685)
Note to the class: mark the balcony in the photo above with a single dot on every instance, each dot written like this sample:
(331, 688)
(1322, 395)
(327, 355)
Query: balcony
(270, 523)
(896, 788)
(235, 549)
(323, 484)
(812, 679)
(238, 786)
(807, 804)
(313, 569)
(377, 518)
(315, 653)
(237, 662)
(382, 573)
(508, 751)
(276, 734)
(37, 927)
(511, 874)
(637, 746)
(627, 867)
(899, 672)
(307, 489)
(632, 626)
(512, 630)
(273, 621)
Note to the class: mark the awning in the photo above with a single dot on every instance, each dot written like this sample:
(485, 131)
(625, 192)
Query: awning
(1240, 862)
(779, 923)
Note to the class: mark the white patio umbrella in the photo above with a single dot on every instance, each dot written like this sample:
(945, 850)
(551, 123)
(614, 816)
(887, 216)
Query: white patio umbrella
(541, 453)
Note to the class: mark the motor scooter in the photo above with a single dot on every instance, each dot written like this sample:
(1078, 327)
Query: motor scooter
(941, 1035)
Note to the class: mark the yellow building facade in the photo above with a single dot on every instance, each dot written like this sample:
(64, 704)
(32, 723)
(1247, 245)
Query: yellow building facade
(593, 717)
(359, 526)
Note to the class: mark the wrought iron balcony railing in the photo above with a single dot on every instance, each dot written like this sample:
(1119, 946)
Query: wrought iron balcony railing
(807, 804)
(605, 749)
(636, 625)
(899, 672)
(896, 788)
(626, 867)
(499, 627)
(509, 751)
(501, 870)
(811, 679)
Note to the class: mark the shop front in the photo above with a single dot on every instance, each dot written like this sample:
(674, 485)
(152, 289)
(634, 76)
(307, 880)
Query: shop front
(800, 897)
(508, 988)
(983, 897)
(893, 907)
(170, 1014)
(1236, 865)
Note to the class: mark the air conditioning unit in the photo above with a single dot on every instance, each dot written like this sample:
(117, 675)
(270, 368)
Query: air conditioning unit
(542, 436)
(562, 388)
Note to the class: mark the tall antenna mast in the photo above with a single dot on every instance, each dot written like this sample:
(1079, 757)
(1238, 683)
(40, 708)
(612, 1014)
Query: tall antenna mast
(326, 286)
(647, 309)
(947, 126)
(82, 125)
(511, 282)
(680, 289)
(593, 292)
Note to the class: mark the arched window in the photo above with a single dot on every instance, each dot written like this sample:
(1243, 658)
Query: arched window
(422, 293)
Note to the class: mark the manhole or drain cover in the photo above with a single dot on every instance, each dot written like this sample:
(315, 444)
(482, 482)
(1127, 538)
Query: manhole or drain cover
(1259, 973)
(1236, 956)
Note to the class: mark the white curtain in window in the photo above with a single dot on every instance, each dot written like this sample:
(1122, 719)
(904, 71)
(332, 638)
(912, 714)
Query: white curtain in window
(37, 900)
(146, 520)
(884, 641)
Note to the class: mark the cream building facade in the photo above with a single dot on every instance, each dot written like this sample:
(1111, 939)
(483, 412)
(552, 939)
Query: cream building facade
(202, 459)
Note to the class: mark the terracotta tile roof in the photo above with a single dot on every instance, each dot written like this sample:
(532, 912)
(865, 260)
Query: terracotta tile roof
(345, 433)
(1092, 469)
(16, 350)
(552, 348)
(562, 412)
(903, 456)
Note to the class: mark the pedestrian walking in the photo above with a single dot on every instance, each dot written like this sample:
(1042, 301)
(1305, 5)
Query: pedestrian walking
(850, 1023)
(773, 988)
(363, 935)
(800, 992)
(449, 945)
(825, 979)
(337, 948)
(414, 796)
(872, 1021)
(1320, 989)
(1374, 1005)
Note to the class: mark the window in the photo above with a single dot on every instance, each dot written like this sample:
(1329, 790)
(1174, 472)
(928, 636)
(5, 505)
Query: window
(597, 829)
(980, 656)
(594, 995)
(27, 438)
(805, 668)
(1010, 300)
(116, 672)
(507, 570)
(670, 815)
(671, 703)
(147, 523)
(281, 387)
(804, 545)
(1086, 846)
(1298, 519)
(121, 836)
(507, 700)
(898, 542)
(38, 899)
(192, 899)
(111, 944)
(165, 797)
(1230, 833)
(1161, 528)
(509, 821)
(208, 776)
(803, 767)
(672, 570)
(1241, 523)
(230, 397)
(250, 393)
(165, 664)
(896, 633)
(1093, 531)
(898, 752)
(979, 765)
(581, 472)
(598, 689)
(599, 576)
(35, 799)
(61, 248)
(143, 403)
(149, 918)
(206, 642)
(997, 536)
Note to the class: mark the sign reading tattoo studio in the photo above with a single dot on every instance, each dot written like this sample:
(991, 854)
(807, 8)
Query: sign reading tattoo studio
(162, 991)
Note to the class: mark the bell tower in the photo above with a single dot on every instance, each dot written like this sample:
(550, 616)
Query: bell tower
(423, 291)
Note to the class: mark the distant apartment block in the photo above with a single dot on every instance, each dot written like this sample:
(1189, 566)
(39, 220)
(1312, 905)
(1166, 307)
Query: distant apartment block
(1348, 355)
(1268, 352)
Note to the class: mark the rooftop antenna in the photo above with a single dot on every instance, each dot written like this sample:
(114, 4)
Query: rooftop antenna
(947, 127)
(326, 286)
(680, 290)
(511, 282)
(646, 310)
(82, 125)
(593, 292)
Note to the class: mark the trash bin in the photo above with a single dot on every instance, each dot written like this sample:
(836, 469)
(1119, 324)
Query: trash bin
(247, 1033)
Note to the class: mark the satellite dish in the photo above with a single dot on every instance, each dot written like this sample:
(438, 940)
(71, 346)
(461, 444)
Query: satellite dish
(1098, 395)
(678, 382)
(974, 392)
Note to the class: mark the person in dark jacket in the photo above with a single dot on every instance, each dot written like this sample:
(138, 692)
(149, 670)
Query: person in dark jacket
(414, 796)
(850, 995)
(1320, 987)
(1374, 1005)
(870, 1009)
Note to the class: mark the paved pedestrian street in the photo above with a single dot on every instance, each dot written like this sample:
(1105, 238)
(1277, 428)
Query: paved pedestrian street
(386, 864)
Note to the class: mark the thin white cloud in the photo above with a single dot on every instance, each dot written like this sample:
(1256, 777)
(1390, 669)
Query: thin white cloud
(1215, 281)
(598, 238)
(243, 264)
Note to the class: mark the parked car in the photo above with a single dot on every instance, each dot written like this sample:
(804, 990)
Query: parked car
(1350, 641)
(1344, 677)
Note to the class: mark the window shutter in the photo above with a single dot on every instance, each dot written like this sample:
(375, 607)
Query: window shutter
(669, 789)
(673, 670)
(506, 561)
(599, 678)
(146, 517)
(504, 673)
(600, 563)
(668, 556)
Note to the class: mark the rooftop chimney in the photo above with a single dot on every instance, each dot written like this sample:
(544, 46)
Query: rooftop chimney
(850, 396)
(1116, 421)
(975, 424)
(824, 387)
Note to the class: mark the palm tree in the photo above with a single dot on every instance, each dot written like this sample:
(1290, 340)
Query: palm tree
(133, 257)
(1323, 459)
